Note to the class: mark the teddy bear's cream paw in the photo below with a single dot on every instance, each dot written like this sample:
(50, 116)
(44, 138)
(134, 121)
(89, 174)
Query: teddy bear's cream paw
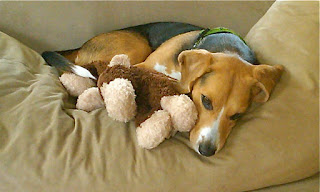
(182, 110)
(119, 98)
(121, 59)
(90, 100)
(74, 84)
(154, 130)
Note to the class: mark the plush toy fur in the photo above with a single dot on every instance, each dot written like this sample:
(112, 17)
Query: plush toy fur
(75, 84)
(130, 92)
(149, 87)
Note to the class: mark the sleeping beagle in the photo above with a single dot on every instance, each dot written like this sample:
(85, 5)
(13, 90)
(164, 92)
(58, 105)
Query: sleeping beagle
(215, 67)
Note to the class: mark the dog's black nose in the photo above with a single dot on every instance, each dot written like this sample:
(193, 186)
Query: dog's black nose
(207, 149)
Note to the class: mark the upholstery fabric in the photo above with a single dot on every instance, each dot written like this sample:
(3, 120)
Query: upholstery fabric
(47, 145)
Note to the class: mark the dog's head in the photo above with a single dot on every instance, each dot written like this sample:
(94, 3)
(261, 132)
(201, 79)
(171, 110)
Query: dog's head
(222, 87)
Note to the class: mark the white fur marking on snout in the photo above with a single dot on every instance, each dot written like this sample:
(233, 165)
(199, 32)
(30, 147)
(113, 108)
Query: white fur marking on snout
(210, 133)
(162, 69)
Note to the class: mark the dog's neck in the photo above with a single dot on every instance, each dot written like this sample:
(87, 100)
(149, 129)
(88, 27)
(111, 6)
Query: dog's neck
(165, 60)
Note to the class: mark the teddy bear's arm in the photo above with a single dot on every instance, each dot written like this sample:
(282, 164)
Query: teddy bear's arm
(154, 130)
(76, 85)
(90, 100)
(144, 113)
(182, 110)
(119, 98)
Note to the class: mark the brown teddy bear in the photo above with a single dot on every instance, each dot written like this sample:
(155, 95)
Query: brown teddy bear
(130, 92)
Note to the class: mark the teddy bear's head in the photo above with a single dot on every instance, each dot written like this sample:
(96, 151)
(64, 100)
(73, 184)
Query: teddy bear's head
(150, 86)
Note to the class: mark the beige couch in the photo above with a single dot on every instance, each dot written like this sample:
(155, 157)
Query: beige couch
(47, 145)
(65, 25)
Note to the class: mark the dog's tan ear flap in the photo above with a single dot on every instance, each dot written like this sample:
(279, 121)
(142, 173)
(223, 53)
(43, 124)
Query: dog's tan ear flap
(193, 64)
(267, 77)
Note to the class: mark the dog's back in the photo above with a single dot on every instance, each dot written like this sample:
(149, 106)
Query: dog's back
(143, 39)
(159, 32)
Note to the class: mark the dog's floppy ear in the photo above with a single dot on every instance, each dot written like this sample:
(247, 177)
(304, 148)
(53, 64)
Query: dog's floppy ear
(193, 64)
(267, 76)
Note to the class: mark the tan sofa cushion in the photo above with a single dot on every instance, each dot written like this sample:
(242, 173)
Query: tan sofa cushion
(310, 184)
(288, 34)
(46, 145)
(60, 25)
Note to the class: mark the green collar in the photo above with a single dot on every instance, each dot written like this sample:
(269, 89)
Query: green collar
(206, 32)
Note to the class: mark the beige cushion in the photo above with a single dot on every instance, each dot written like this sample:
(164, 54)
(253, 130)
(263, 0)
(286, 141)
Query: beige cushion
(288, 35)
(309, 184)
(53, 25)
(47, 145)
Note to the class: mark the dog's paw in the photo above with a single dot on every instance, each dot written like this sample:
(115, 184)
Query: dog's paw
(90, 100)
(119, 98)
(74, 84)
(154, 130)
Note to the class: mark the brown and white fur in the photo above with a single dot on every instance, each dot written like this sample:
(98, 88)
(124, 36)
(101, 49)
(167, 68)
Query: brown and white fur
(222, 85)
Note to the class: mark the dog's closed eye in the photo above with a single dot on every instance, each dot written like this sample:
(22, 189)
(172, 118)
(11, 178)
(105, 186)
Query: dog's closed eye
(206, 102)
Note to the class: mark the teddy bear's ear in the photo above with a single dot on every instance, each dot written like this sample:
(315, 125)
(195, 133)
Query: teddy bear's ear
(121, 59)
(193, 64)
